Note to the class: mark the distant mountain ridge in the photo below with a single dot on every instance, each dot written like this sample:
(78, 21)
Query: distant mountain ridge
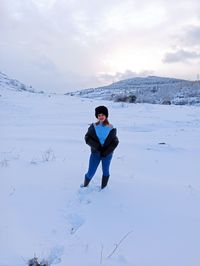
(148, 80)
(13, 84)
(151, 89)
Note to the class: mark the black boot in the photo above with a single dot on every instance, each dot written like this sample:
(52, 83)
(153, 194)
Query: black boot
(104, 181)
(86, 182)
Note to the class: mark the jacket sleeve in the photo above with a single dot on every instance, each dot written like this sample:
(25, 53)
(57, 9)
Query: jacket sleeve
(112, 144)
(91, 141)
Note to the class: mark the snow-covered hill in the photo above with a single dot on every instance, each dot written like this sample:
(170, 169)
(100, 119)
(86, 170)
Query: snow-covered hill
(148, 90)
(147, 216)
(7, 83)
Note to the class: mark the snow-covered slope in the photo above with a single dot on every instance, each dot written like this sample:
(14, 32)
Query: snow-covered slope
(148, 215)
(7, 83)
(148, 90)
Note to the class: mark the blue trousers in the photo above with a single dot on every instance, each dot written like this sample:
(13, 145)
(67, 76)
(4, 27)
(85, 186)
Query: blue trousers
(95, 159)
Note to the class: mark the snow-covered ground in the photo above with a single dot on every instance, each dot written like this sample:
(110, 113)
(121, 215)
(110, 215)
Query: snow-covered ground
(149, 215)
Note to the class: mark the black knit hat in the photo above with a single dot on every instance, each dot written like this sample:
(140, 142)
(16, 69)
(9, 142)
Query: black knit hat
(101, 110)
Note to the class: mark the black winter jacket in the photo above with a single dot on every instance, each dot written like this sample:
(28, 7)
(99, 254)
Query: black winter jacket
(110, 143)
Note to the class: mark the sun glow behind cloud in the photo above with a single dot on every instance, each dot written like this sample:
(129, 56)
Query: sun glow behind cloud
(136, 60)
(125, 17)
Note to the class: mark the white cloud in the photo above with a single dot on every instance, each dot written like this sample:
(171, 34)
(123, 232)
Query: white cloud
(191, 36)
(181, 56)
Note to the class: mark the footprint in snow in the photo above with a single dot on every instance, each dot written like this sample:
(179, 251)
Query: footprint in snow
(75, 221)
(55, 255)
(84, 196)
(84, 193)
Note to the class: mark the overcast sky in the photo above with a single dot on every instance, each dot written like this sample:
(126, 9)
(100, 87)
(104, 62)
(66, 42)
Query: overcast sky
(63, 45)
